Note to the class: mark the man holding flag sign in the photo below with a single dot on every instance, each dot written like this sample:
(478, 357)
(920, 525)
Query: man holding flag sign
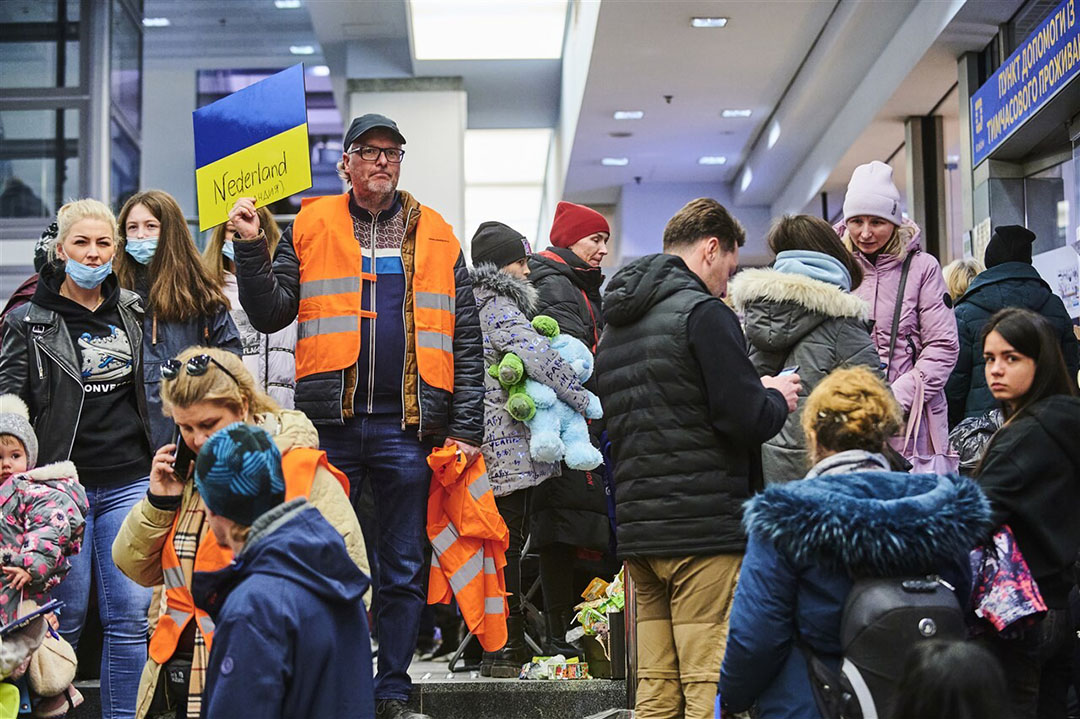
(389, 357)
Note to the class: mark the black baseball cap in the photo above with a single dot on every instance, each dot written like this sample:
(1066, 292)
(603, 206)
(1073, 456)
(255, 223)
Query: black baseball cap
(368, 122)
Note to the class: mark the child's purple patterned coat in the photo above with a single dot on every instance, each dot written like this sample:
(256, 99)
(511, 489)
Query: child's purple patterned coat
(44, 513)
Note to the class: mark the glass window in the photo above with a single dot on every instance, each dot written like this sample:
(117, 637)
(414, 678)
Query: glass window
(39, 161)
(126, 67)
(1049, 199)
(125, 166)
(40, 47)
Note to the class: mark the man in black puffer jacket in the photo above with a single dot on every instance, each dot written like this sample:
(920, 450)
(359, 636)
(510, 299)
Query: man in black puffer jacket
(1008, 281)
(686, 414)
(389, 358)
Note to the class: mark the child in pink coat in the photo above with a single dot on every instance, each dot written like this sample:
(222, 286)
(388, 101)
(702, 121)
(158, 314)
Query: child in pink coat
(42, 516)
(926, 345)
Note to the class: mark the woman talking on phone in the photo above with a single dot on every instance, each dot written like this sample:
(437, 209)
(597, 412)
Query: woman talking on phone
(166, 538)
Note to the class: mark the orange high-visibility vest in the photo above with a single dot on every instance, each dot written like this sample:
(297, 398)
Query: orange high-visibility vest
(298, 466)
(469, 540)
(332, 277)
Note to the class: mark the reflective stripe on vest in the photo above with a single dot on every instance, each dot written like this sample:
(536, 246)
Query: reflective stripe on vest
(299, 466)
(468, 539)
(180, 605)
(331, 282)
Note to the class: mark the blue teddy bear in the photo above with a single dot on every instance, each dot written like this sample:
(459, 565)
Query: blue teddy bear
(558, 432)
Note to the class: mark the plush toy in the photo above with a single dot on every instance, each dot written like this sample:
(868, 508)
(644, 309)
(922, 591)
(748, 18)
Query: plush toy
(558, 432)
(511, 375)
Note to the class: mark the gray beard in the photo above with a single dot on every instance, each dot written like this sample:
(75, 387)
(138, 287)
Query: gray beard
(374, 195)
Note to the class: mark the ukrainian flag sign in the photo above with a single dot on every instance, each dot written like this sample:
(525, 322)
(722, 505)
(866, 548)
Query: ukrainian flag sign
(253, 143)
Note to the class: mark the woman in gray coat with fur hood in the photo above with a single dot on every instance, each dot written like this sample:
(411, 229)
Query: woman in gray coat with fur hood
(506, 302)
(801, 313)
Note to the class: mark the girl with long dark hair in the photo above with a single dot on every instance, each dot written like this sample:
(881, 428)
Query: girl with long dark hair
(1031, 475)
(184, 306)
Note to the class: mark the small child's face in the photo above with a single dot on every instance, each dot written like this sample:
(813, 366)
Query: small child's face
(12, 458)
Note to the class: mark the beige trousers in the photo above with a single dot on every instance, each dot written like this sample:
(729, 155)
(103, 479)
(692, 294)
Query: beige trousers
(683, 607)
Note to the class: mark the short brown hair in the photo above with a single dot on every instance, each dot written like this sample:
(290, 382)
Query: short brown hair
(806, 232)
(11, 442)
(702, 218)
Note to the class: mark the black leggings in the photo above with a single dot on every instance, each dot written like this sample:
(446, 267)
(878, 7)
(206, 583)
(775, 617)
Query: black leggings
(514, 510)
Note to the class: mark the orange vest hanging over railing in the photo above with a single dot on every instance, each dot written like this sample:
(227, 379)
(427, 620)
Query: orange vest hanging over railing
(298, 466)
(332, 277)
(469, 539)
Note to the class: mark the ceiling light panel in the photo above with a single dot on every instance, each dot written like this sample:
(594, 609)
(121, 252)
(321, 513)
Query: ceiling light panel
(629, 114)
(286, 4)
(615, 161)
(302, 49)
(708, 22)
(712, 160)
(736, 113)
(506, 156)
(487, 29)
(156, 22)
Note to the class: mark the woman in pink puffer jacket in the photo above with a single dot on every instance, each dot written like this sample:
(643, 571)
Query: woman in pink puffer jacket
(926, 344)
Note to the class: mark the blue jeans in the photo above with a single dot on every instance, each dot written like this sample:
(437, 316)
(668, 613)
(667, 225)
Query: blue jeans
(374, 449)
(122, 604)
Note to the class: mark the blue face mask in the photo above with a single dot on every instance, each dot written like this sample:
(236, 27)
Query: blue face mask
(142, 250)
(87, 277)
(227, 250)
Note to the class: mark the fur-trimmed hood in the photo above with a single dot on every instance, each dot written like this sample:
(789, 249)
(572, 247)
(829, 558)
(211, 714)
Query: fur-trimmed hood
(781, 308)
(48, 472)
(872, 523)
(488, 282)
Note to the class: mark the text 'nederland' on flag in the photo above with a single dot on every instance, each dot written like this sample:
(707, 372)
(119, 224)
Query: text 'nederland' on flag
(252, 143)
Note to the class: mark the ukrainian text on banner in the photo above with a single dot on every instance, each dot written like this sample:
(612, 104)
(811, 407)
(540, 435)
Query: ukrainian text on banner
(1043, 64)
(253, 143)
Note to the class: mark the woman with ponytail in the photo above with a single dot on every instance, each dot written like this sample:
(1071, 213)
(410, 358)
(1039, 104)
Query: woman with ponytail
(1031, 475)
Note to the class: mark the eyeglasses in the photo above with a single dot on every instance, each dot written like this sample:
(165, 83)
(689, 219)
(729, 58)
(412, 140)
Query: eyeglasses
(369, 153)
(195, 367)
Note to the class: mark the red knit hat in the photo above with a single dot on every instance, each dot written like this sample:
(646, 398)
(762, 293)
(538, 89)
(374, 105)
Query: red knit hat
(572, 222)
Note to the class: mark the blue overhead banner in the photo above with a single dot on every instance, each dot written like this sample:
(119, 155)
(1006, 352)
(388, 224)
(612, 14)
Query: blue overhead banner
(252, 143)
(1043, 64)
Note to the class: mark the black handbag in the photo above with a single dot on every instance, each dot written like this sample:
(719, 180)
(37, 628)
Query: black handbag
(171, 693)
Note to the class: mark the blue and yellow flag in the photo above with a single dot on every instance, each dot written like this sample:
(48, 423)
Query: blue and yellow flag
(253, 143)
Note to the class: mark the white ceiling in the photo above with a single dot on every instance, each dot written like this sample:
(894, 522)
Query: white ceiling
(228, 28)
(645, 50)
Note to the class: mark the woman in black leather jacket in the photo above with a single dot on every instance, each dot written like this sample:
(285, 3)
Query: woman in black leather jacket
(73, 353)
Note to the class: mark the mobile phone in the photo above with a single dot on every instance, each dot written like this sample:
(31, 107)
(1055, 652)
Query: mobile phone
(184, 457)
(788, 370)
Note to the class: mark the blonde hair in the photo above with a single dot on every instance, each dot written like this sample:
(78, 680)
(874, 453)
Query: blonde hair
(896, 245)
(850, 409)
(216, 386)
(180, 287)
(212, 257)
(959, 274)
(76, 211)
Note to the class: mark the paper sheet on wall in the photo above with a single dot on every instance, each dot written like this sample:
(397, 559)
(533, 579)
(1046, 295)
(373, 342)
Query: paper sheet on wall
(1061, 270)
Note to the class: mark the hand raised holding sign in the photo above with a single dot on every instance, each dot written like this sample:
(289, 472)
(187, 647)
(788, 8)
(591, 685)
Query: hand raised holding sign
(244, 218)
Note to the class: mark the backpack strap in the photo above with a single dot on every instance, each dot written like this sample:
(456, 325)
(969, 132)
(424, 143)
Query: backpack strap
(896, 311)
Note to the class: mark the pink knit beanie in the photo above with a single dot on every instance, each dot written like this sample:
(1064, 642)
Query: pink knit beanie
(872, 192)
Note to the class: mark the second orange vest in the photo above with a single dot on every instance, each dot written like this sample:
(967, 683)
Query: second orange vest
(299, 466)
